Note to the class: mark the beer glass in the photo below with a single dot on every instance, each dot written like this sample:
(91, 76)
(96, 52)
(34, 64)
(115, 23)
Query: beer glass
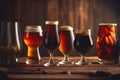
(10, 42)
(33, 38)
(66, 43)
(51, 39)
(83, 43)
(107, 43)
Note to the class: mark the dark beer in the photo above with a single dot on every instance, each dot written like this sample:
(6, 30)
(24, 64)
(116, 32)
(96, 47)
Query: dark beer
(51, 39)
(82, 43)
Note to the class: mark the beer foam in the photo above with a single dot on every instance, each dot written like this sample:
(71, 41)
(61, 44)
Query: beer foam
(114, 24)
(83, 32)
(33, 28)
(51, 22)
(66, 28)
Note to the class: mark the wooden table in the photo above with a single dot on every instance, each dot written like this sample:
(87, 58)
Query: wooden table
(95, 71)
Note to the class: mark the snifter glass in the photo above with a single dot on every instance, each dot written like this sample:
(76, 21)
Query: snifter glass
(33, 38)
(83, 43)
(51, 40)
(10, 42)
(107, 43)
(66, 43)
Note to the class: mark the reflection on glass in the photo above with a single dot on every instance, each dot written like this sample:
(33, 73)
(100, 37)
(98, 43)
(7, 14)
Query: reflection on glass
(33, 38)
(51, 39)
(66, 43)
(83, 43)
(107, 43)
(10, 42)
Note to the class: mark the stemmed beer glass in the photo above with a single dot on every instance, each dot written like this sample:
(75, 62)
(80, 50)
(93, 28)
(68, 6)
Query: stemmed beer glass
(66, 43)
(83, 43)
(51, 39)
(33, 38)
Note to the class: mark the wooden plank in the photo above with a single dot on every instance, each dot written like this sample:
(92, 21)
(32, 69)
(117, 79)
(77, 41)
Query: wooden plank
(69, 72)
(52, 77)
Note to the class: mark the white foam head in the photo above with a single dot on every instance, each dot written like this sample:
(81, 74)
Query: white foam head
(51, 22)
(33, 28)
(114, 24)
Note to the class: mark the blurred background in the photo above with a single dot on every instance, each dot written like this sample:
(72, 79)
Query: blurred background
(76, 13)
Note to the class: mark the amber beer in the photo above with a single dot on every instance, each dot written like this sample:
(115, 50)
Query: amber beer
(66, 39)
(33, 38)
(66, 43)
(107, 43)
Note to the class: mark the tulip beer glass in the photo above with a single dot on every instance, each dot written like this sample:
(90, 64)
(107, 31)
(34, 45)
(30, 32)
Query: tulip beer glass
(66, 43)
(107, 43)
(10, 42)
(51, 39)
(83, 43)
(33, 38)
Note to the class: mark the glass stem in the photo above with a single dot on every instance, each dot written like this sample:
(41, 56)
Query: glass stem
(51, 61)
(33, 52)
(66, 59)
(83, 58)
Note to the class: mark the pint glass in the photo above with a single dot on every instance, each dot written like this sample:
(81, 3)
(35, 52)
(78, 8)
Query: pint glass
(107, 43)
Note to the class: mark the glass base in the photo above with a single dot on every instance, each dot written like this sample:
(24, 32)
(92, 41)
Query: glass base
(63, 62)
(49, 64)
(83, 63)
(100, 61)
(32, 62)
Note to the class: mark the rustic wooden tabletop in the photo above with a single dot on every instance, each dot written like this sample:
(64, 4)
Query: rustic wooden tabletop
(95, 71)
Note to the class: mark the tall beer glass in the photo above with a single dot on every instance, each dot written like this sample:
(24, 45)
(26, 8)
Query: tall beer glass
(66, 43)
(10, 42)
(107, 43)
(33, 38)
(51, 39)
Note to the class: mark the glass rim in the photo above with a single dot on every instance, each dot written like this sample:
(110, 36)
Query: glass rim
(66, 27)
(10, 22)
(108, 24)
(33, 28)
(51, 22)
(83, 31)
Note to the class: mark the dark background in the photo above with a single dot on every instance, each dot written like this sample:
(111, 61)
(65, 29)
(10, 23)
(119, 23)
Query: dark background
(76, 13)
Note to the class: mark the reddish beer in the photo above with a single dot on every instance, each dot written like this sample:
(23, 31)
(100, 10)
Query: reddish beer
(33, 39)
(66, 39)
(66, 42)
(107, 43)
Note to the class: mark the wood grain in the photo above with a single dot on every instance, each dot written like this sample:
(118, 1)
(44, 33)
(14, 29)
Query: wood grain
(65, 72)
